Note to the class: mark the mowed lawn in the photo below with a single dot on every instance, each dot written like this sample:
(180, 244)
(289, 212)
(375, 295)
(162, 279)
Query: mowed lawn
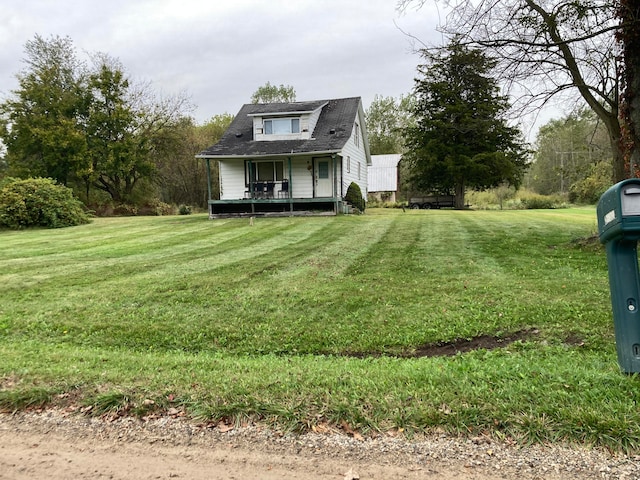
(300, 322)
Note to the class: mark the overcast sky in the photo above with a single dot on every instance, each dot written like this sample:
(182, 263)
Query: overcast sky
(220, 51)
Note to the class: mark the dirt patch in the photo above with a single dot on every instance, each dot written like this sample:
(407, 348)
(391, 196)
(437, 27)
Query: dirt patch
(486, 342)
(590, 243)
(448, 349)
(574, 340)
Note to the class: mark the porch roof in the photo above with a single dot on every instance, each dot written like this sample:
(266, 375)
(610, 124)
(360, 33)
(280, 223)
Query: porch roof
(333, 129)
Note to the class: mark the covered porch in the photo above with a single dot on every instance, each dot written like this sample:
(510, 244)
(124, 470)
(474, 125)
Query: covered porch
(277, 186)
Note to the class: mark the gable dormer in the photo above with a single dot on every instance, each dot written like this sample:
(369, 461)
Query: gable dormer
(286, 122)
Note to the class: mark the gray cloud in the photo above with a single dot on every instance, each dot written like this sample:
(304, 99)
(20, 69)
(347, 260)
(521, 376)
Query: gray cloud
(220, 52)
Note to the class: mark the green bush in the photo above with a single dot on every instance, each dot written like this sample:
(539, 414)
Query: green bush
(184, 210)
(125, 210)
(591, 188)
(39, 202)
(354, 196)
(533, 201)
(156, 207)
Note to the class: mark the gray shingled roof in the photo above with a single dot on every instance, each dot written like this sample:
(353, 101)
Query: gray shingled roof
(332, 131)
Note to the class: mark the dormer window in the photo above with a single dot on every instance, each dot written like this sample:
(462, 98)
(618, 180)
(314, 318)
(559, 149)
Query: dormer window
(281, 126)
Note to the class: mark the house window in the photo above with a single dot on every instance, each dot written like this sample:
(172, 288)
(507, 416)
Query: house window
(356, 138)
(281, 126)
(264, 172)
(348, 164)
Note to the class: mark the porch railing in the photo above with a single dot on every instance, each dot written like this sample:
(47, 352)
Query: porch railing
(268, 190)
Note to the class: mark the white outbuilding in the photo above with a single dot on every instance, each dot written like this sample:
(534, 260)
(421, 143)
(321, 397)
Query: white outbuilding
(383, 177)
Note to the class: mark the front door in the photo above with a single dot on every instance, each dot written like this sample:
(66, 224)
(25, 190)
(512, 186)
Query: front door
(323, 177)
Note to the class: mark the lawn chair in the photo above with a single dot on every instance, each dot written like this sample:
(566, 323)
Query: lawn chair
(269, 190)
(284, 189)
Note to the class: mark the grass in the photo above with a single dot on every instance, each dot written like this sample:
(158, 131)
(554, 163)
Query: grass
(301, 321)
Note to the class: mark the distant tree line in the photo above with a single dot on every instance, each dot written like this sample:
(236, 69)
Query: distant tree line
(573, 157)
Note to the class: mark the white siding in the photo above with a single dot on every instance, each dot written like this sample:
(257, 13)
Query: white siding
(313, 120)
(232, 186)
(383, 173)
(358, 163)
(302, 178)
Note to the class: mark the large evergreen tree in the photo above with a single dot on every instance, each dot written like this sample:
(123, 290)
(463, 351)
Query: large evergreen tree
(556, 49)
(461, 138)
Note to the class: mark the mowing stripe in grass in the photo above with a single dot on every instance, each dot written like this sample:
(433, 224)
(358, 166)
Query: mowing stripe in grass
(233, 319)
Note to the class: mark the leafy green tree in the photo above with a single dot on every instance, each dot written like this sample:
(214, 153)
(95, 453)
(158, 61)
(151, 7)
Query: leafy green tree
(590, 188)
(268, 93)
(461, 138)
(386, 118)
(88, 128)
(130, 132)
(119, 156)
(42, 123)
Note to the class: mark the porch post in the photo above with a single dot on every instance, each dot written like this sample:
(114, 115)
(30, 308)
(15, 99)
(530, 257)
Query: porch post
(335, 179)
(209, 185)
(251, 182)
(290, 184)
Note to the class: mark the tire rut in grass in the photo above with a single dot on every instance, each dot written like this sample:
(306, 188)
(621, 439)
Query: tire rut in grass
(485, 342)
(454, 347)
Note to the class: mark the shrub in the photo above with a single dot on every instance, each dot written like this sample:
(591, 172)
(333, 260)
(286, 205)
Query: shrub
(39, 202)
(156, 207)
(125, 210)
(536, 201)
(591, 188)
(184, 210)
(354, 196)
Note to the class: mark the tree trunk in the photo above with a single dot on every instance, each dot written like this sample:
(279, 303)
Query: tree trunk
(459, 195)
(629, 37)
(618, 157)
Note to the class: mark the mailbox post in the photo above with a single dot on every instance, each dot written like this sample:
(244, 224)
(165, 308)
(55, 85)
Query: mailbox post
(619, 229)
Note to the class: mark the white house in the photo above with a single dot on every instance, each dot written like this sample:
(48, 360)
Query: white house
(383, 176)
(290, 158)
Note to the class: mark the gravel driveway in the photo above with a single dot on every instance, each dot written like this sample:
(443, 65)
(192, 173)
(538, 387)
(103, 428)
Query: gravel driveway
(57, 445)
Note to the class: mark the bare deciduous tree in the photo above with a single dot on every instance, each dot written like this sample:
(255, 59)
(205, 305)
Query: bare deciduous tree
(548, 48)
